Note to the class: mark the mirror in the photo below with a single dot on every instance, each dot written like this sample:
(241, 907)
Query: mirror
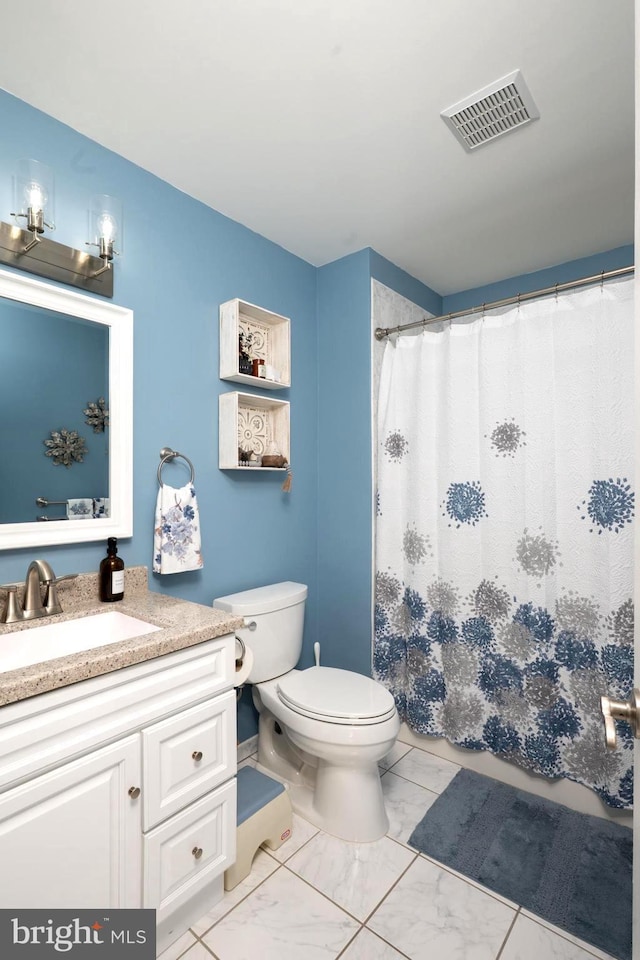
(60, 353)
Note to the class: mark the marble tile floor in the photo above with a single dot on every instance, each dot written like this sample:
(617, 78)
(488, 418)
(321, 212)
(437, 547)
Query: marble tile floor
(319, 898)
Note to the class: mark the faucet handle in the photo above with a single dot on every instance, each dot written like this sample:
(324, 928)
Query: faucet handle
(12, 612)
(51, 601)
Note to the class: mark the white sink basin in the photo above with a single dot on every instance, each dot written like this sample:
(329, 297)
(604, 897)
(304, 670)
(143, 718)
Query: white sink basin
(53, 640)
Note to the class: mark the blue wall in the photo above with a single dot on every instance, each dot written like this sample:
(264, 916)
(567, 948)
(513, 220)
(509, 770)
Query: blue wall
(344, 449)
(181, 260)
(540, 280)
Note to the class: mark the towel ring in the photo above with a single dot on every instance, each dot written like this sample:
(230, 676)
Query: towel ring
(167, 454)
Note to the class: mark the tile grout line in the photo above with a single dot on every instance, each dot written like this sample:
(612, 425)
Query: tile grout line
(347, 945)
(326, 897)
(508, 934)
(413, 782)
(400, 952)
(416, 783)
(206, 947)
(362, 923)
(417, 855)
(392, 887)
(231, 909)
(564, 935)
(472, 883)
(340, 907)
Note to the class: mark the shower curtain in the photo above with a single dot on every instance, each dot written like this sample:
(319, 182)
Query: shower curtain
(504, 532)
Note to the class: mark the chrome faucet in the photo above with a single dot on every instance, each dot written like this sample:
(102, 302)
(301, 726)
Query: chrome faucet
(33, 606)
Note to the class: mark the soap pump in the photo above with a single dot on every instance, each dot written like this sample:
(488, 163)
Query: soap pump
(112, 574)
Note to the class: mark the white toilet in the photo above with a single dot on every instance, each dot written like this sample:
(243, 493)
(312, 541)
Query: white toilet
(321, 730)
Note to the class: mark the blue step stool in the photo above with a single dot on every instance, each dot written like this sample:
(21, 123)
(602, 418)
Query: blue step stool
(264, 816)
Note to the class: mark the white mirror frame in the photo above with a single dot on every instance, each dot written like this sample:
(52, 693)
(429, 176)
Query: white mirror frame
(119, 320)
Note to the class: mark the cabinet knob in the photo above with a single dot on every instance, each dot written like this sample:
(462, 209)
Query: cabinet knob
(197, 755)
(197, 852)
(134, 792)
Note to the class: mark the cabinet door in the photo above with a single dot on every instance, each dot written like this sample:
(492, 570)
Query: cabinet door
(71, 837)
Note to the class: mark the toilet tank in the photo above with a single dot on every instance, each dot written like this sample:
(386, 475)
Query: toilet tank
(275, 617)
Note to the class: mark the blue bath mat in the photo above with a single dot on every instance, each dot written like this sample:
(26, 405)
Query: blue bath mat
(572, 869)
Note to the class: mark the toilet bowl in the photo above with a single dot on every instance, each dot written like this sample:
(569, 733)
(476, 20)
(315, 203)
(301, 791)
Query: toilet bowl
(330, 762)
(322, 730)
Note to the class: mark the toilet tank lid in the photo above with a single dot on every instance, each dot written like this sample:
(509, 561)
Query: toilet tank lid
(275, 596)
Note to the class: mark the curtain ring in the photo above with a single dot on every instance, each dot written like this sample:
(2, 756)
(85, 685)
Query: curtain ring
(518, 301)
(483, 308)
(556, 292)
(602, 282)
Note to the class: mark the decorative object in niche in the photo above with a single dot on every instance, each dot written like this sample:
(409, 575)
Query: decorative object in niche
(248, 423)
(253, 429)
(273, 457)
(245, 360)
(97, 415)
(244, 457)
(254, 345)
(65, 446)
(276, 460)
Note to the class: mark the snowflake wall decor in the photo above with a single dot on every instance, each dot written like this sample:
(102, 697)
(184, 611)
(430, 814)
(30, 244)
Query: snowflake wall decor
(97, 415)
(65, 446)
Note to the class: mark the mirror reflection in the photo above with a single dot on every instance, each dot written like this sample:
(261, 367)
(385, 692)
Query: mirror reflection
(54, 354)
(54, 373)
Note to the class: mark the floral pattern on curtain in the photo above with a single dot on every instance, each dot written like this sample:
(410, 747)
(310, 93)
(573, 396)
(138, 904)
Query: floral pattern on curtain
(504, 532)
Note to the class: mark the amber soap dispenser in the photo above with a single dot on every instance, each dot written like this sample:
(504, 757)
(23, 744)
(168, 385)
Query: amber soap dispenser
(112, 574)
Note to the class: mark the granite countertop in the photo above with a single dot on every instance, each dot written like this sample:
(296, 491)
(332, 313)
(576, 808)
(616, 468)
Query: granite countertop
(182, 624)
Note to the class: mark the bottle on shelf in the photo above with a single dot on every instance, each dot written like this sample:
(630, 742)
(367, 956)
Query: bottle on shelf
(112, 574)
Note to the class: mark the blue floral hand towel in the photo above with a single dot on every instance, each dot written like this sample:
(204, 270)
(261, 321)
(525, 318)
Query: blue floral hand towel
(176, 541)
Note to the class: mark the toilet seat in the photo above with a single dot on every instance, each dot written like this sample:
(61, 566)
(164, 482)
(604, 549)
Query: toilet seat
(336, 696)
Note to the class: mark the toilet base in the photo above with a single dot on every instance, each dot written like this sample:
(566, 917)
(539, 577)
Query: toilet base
(363, 822)
(344, 801)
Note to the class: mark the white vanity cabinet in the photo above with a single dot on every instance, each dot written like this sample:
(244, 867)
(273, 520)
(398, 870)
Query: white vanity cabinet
(71, 837)
(119, 791)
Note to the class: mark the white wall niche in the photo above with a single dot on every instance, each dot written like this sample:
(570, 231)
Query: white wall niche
(270, 335)
(251, 421)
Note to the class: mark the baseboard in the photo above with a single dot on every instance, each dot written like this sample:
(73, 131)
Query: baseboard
(247, 748)
(573, 795)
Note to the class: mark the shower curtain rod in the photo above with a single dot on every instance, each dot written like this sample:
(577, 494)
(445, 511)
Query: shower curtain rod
(382, 332)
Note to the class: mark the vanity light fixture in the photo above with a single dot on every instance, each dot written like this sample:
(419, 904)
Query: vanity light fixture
(105, 229)
(23, 246)
(33, 198)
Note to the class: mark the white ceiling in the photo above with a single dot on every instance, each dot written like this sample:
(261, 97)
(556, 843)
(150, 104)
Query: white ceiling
(317, 122)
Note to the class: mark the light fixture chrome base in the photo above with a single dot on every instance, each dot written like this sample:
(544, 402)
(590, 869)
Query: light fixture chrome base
(54, 260)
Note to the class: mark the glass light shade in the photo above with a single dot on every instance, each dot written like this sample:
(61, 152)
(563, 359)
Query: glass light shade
(33, 188)
(105, 222)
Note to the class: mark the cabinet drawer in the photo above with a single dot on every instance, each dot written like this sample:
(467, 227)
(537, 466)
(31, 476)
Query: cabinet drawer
(186, 756)
(185, 854)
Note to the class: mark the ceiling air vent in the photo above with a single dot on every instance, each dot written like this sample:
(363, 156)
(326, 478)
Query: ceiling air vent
(501, 107)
